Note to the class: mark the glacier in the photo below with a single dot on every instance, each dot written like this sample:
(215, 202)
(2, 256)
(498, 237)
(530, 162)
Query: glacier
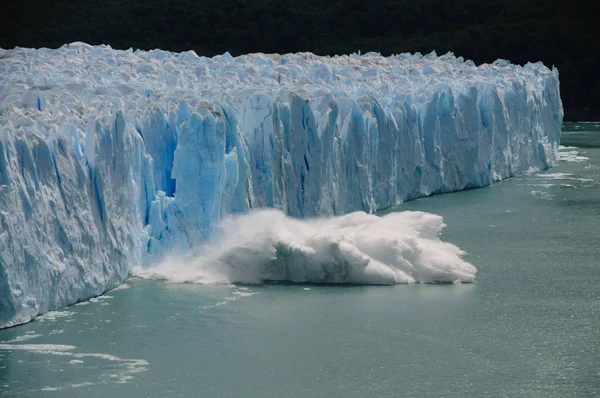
(112, 159)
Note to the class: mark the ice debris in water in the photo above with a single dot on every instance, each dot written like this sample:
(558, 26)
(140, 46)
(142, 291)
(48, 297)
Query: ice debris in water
(111, 159)
(113, 370)
(570, 154)
(356, 248)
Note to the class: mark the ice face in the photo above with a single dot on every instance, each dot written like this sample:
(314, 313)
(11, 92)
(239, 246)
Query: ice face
(113, 159)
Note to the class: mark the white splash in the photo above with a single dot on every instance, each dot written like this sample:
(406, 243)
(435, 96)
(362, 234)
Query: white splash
(123, 286)
(54, 315)
(266, 245)
(99, 299)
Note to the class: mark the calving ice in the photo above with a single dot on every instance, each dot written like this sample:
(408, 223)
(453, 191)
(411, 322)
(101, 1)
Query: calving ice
(111, 160)
(358, 248)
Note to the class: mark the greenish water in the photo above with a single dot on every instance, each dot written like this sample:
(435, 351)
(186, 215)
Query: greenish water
(529, 326)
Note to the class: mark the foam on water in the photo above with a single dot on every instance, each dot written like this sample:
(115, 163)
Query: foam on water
(568, 154)
(120, 370)
(556, 176)
(235, 295)
(543, 195)
(124, 286)
(357, 248)
(54, 315)
(25, 337)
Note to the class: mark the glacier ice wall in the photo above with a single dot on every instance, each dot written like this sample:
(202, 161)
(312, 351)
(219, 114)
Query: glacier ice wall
(111, 159)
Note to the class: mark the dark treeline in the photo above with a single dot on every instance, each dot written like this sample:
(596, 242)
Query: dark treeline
(558, 32)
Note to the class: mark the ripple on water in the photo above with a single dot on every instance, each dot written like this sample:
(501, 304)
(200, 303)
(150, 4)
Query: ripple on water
(113, 368)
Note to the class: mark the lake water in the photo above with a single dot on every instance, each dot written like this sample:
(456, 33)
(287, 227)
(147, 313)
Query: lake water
(529, 326)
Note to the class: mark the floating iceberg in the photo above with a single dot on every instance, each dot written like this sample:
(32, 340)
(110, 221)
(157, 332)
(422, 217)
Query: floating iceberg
(114, 159)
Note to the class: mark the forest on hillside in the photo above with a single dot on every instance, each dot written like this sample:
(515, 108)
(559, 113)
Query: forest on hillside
(565, 34)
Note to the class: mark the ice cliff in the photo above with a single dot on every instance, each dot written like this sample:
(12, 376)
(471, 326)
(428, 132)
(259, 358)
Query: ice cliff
(111, 159)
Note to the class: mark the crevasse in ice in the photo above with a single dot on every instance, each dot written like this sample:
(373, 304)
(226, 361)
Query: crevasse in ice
(111, 159)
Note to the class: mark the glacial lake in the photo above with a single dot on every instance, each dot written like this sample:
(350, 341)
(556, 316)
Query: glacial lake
(529, 326)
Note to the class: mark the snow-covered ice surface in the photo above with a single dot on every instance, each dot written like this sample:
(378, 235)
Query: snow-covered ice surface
(113, 159)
